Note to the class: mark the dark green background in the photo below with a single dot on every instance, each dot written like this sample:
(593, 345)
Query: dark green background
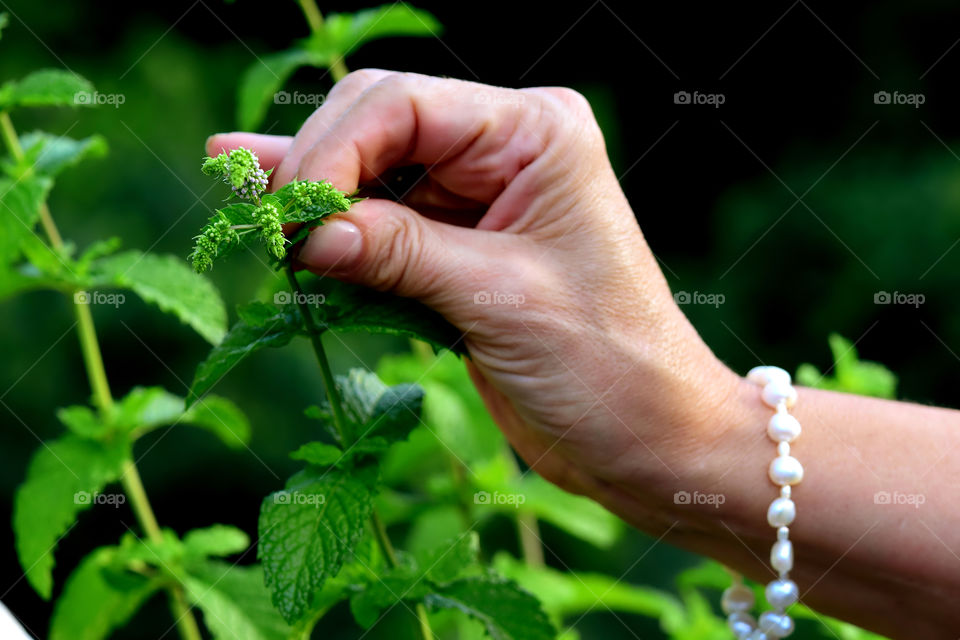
(704, 182)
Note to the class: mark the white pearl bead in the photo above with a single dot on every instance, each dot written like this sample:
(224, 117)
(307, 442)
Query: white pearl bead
(785, 491)
(781, 555)
(785, 470)
(782, 511)
(757, 635)
(778, 391)
(783, 427)
(741, 624)
(783, 533)
(777, 625)
(736, 598)
(764, 375)
(782, 593)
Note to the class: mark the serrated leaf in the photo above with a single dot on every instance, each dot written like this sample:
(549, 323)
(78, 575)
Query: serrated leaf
(83, 421)
(307, 532)
(222, 418)
(264, 78)
(850, 374)
(318, 453)
(62, 478)
(216, 540)
(349, 307)
(235, 604)
(97, 600)
(386, 590)
(378, 410)
(145, 408)
(507, 611)
(578, 516)
(567, 594)
(48, 154)
(345, 32)
(167, 282)
(260, 325)
(448, 560)
(20, 202)
(48, 87)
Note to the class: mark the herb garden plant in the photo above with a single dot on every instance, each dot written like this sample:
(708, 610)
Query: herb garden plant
(401, 474)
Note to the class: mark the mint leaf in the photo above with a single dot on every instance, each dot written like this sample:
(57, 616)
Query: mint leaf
(349, 307)
(216, 540)
(15, 280)
(448, 560)
(145, 408)
(222, 418)
(378, 410)
(97, 599)
(47, 87)
(62, 479)
(234, 602)
(260, 325)
(578, 516)
(345, 32)
(167, 282)
(850, 374)
(387, 589)
(264, 78)
(505, 610)
(308, 531)
(83, 421)
(318, 453)
(20, 202)
(48, 154)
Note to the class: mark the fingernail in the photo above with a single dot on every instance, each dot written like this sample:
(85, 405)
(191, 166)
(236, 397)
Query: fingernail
(336, 244)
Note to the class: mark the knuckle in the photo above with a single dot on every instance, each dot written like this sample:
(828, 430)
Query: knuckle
(387, 268)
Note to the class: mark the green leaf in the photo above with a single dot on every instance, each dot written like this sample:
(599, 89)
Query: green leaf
(448, 560)
(318, 453)
(260, 325)
(850, 374)
(507, 611)
(62, 479)
(349, 307)
(572, 594)
(83, 421)
(345, 32)
(216, 540)
(264, 78)
(167, 282)
(578, 516)
(222, 418)
(378, 410)
(96, 600)
(308, 531)
(48, 154)
(234, 601)
(20, 202)
(47, 87)
(4, 21)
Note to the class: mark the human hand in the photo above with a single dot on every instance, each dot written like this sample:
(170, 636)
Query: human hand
(520, 235)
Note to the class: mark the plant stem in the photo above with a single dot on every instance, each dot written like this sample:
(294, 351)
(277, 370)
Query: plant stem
(339, 420)
(100, 388)
(329, 383)
(528, 528)
(315, 19)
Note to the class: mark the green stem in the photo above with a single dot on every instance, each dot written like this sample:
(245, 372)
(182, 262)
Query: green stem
(100, 388)
(528, 528)
(329, 383)
(315, 19)
(340, 422)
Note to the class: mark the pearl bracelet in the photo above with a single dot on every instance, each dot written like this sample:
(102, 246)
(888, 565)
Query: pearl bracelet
(784, 471)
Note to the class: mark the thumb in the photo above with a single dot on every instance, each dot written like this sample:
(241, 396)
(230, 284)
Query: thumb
(390, 247)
